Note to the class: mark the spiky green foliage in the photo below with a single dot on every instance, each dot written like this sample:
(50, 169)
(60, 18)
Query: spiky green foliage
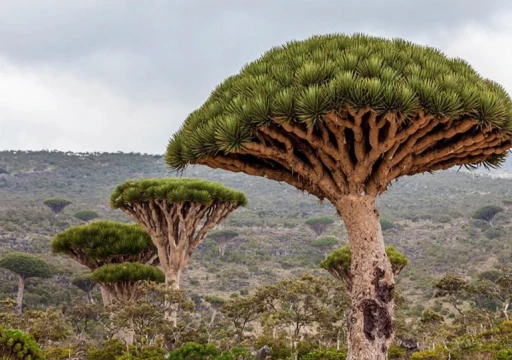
(27, 265)
(105, 242)
(86, 215)
(302, 81)
(15, 344)
(174, 190)
(342, 259)
(57, 204)
(222, 235)
(128, 272)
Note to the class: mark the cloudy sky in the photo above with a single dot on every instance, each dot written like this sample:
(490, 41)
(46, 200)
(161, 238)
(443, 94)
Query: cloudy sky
(105, 75)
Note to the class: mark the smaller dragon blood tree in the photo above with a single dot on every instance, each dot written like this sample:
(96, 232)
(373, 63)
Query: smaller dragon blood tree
(177, 213)
(105, 242)
(57, 204)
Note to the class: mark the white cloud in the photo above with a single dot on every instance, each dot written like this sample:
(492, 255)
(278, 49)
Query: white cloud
(47, 108)
(487, 49)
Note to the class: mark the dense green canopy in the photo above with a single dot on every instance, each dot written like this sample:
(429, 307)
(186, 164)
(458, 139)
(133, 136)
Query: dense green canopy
(26, 265)
(84, 282)
(15, 344)
(277, 116)
(222, 235)
(174, 190)
(56, 204)
(104, 242)
(127, 272)
(86, 215)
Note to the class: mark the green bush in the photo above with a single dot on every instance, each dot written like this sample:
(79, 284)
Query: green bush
(438, 353)
(327, 354)
(108, 350)
(194, 351)
(15, 344)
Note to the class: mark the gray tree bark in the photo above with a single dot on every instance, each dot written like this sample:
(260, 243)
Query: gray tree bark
(371, 324)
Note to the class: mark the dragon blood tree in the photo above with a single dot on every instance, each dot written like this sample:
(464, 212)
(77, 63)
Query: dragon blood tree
(222, 238)
(177, 213)
(122, 280)
(105, 242)
(56, 205)
(341, 117)
(26, 266)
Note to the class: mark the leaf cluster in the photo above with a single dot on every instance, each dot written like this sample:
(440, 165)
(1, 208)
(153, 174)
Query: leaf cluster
(174, 190)
(302, 81)
(223, 235)
(27, 265)
(319, 220)
(15, 344)
(86, 215)
(128, 272)
(105, 241)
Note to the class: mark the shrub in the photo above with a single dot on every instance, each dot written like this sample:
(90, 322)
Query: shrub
(15, 344)
(108, 350)
(327, 354)
(194, 351)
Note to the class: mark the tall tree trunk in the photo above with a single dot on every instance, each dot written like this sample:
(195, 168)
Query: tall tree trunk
(105, 296)
(172, 279)
(90, 299)
(222, 249)
(371, 325)
(19, 299)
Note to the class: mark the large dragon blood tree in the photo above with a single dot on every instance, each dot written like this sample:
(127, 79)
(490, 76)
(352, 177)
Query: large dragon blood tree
(177, 213)
(105, 242)
(341, 117)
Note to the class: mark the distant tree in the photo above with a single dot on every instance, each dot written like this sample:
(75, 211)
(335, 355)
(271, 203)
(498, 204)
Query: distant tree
(223, 238)
(216, 302)
(86, 284)
(385, 224)
(57, 204)
(338, 263)
(487, 213)
(454, 289)
(17, 345)
(105, 242)
(25, 266)
(319, 224)
(122, 280)
(325, 243)
(177, 213)
(86, 215)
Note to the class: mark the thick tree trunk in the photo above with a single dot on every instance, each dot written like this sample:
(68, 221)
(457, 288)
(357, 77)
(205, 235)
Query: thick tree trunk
(172, 279)
(105, 296)
(371, 326)
(19, 299)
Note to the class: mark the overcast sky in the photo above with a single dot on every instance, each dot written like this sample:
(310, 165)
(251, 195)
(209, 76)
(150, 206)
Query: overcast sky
(123, 75)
